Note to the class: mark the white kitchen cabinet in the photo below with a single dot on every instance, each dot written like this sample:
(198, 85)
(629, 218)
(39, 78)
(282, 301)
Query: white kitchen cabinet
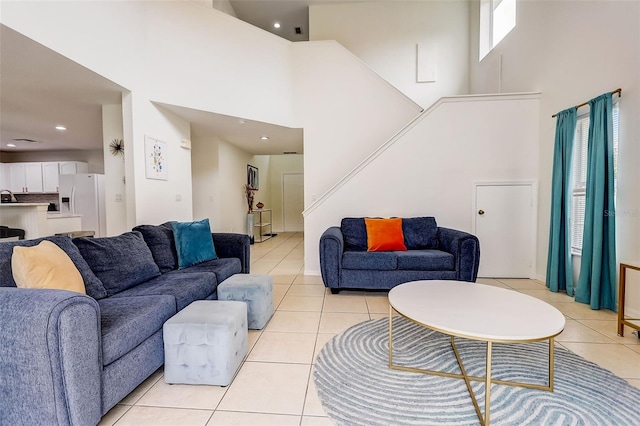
(17, 178)
(73, 167)
(4, 176)
(33, 177)
(50, 173)
(25, 177)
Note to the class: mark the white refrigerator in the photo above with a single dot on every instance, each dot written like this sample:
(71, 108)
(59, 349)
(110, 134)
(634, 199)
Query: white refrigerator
(84, 194)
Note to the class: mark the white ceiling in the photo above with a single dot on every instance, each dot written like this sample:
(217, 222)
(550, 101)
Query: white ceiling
(40, 89)
(264, 13)
(243, 133)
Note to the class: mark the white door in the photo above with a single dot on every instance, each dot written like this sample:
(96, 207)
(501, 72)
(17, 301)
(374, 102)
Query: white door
(505, 225)
(293, 202)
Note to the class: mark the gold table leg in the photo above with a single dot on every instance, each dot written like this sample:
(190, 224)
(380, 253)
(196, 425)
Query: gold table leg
(484, 420)
(487, 385)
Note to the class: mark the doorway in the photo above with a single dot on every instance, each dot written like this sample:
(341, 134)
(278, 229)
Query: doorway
(505, 222)
(292, 202)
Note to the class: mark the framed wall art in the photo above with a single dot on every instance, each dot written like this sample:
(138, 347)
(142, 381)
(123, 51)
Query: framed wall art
(155, 153)
(252, 177)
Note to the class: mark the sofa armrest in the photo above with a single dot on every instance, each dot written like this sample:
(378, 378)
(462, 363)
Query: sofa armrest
(233, 245)
(465, 248)
(50, 357)
(331, 248)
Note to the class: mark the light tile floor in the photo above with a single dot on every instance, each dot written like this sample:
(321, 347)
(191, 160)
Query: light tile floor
(275, 384)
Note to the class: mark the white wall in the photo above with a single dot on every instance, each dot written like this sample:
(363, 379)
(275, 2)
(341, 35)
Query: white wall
(346, 110)
(224, 6)
(263, 194)
(114, 185)
(219, 172)
(179, 53)
(157, 201)
(385, 34)
(572, 51)
(431, 169)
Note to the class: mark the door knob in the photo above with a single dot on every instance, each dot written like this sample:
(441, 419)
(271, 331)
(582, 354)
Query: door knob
(480, 212)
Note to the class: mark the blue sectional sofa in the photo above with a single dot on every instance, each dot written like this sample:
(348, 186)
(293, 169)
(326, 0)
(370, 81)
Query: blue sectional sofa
(67, 358)
(433, 253)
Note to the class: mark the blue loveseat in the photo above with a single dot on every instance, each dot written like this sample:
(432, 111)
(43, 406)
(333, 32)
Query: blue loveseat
(67, 358)
(433, 253)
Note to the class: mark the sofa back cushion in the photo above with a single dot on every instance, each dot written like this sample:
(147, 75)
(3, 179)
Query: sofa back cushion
(420, 233)
(93, 285)
(354, 232)
(119, 262)
(160, 240)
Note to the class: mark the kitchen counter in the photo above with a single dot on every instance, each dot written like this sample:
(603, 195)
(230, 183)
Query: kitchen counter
(59, 215)
(32, 217)
(46, 205)
(36, 220)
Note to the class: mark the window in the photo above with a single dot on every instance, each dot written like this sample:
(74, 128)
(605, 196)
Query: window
(579, 175)
(497, 19)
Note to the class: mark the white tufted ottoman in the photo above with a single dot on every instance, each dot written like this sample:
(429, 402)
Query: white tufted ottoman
(205, 343)
(256, 290)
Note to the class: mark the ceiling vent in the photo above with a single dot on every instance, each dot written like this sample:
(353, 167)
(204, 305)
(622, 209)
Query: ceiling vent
(289, 152)
(298, 30)
(25, 140)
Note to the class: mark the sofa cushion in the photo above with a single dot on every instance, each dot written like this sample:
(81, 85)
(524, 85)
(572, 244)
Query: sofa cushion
(128, 321)
(354, 232)
(45, 266)
(384, 234)
(376, 261)
(160, 240)
(194, 243)
(184, 285)
(425, 260)
(119, 262)
(223, 268)
(92, 284)
(420, 233)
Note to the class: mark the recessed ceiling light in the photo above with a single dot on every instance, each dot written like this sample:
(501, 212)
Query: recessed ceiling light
(264, 138)
(11, 145)
(276, 25)
(59, 127)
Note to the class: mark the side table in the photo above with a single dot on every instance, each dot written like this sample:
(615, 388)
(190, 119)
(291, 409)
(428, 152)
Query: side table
(622, 320)
(262, 224)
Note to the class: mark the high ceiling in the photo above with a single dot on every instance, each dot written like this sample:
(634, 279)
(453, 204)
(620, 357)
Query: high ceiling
(290, 14)
(40, 89)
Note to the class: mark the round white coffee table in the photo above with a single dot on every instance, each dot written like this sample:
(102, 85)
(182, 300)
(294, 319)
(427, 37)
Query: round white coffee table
(478, 312)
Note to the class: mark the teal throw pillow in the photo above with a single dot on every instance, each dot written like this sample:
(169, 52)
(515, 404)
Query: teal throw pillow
(194, 243)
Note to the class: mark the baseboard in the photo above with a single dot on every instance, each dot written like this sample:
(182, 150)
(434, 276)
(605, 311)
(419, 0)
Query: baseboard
(315, 272)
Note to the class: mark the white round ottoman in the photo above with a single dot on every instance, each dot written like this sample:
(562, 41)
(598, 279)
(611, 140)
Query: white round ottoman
(205, 343)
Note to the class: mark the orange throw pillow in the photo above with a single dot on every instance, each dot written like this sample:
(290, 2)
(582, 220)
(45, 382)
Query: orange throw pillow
(384, 234)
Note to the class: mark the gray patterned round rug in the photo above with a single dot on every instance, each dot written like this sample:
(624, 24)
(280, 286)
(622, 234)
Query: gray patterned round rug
(356, 386)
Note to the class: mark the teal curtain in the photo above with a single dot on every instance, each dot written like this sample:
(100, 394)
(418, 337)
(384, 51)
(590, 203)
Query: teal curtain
(559, 269)
(596, 284)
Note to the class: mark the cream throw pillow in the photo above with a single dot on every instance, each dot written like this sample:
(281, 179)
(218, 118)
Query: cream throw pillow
(45, 266)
